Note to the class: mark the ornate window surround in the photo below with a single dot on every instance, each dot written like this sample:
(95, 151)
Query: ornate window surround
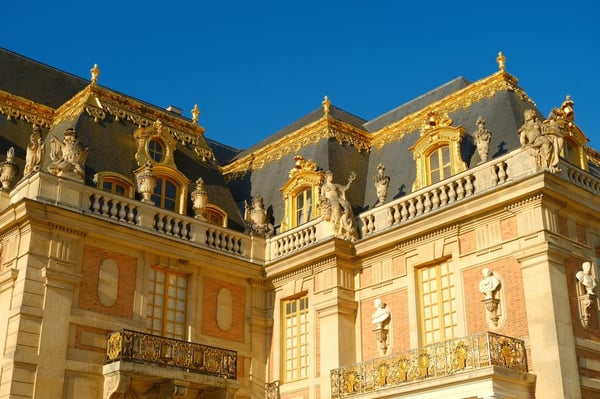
(216, 211)
(303, 176)
(145, 136)
(432, 138)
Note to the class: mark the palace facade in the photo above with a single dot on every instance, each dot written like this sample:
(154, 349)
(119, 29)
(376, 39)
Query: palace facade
(447, 248)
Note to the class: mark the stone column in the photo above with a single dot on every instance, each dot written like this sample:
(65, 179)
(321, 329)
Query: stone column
(550, 326)
(337, 338)
(54, 334)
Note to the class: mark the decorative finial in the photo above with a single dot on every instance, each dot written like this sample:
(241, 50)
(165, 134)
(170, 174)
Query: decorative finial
(326, 104)
(195, 113)
(567, 108)
(501, 60)
(95, 73)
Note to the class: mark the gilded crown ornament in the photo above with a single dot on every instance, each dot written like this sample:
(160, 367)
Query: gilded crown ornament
(195, 113)
(501, 60)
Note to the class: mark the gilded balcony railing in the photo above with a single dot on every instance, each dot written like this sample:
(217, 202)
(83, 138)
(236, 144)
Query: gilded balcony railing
(133, 346)
(438, 360)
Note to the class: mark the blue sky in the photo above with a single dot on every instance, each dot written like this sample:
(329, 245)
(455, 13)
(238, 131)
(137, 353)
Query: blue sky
(254, 67)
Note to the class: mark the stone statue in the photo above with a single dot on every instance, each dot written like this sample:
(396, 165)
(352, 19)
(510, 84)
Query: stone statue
(382, 183)
(336, 209)
(381, 315)
(35, 152)
(256, 217)
(544, 141)
(68, 157)
(482, 140)
(586, 279)
(488, 284)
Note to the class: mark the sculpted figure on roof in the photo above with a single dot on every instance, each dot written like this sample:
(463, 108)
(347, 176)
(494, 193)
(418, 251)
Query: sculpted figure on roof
(68, 157)
(35, 152)
(382, 182)
(336, 209)
(482, 140)
(542, 140)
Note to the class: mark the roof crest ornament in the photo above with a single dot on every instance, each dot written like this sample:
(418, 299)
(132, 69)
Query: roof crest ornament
(501, 60)
(95, 73)
(195, 114)
(326, 104)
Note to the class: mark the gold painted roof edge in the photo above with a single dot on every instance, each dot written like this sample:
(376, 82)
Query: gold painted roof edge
(99, 102)
(461, 99)
(17, 107)
(325, 127)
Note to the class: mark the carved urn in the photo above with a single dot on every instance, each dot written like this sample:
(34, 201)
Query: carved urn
(146, 183)
(9, 170)
(199, 199)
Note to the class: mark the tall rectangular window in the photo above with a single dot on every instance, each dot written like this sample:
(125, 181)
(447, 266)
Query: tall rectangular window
(167, 303)
(295, 338)
(437, 303)
(439, 164)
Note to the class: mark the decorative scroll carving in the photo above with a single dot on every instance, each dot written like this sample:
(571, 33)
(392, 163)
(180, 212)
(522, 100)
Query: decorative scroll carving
(272, 390)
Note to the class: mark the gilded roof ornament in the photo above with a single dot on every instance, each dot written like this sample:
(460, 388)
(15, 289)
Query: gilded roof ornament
(195, 113)
(501, 60)
(302, 165)
(567, 109)
(326, 104)
(95, 73)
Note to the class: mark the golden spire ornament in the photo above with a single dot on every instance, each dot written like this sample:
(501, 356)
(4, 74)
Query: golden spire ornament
(195, 113)
(501, 60)
(326, 104)
(95, 73)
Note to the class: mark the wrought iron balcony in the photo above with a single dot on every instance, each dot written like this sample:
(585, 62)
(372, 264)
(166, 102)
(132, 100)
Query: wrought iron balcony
(137, 347)
(433, 361)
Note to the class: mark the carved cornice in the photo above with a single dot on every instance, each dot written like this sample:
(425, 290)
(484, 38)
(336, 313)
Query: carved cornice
(310, 270)
(15, 107)
(449, 230)
(461, 99)
(323, 129)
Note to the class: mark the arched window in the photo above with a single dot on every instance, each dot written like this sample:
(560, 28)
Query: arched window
(166, 193)
(301, 193)
(437, 152)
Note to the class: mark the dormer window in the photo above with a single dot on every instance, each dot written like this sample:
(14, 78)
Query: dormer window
(437, 151)
(301, 193)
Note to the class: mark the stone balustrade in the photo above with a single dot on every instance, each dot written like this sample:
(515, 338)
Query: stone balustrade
(472, 182)
(118, 209)
(447, 192)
